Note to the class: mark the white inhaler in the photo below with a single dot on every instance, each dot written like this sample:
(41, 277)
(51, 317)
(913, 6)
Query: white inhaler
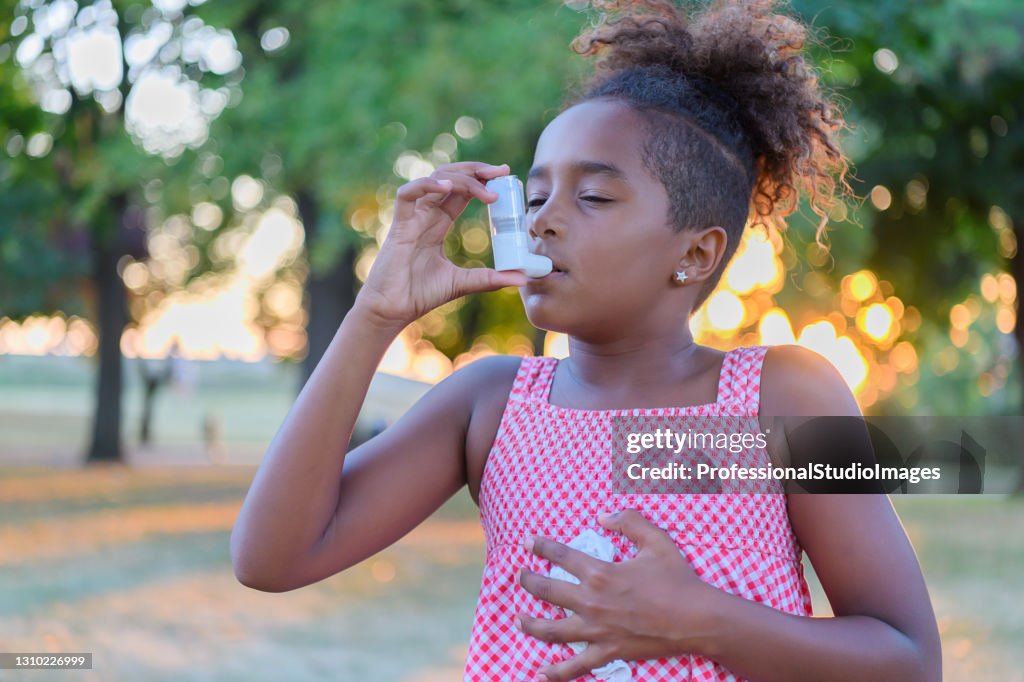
(509, 237)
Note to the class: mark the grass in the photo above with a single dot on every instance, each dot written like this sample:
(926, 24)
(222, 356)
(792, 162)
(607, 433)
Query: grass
(145, 583)
(131, 563)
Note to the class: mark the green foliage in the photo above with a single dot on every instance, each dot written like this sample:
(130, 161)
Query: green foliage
(38, 261)
(356, 85)
(933, 90)
(55, 208)
(329, 111)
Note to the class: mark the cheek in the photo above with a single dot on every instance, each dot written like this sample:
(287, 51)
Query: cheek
(635, 267)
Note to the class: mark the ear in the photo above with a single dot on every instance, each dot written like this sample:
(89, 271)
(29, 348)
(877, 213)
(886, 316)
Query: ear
(702, 252)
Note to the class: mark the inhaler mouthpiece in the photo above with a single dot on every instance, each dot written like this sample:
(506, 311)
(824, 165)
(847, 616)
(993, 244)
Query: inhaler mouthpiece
(509, 237)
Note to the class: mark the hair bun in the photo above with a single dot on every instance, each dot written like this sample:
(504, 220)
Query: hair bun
(748, 59)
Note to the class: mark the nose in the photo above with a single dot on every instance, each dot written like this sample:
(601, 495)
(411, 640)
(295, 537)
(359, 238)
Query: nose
(544, 221)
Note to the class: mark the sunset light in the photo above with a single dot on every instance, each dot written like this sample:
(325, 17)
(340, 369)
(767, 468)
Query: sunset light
(216, 317)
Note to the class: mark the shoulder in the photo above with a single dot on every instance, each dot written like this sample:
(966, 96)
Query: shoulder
(796, 381)
(487, 382)
(460, 394)
(489, 370)
(482, 372)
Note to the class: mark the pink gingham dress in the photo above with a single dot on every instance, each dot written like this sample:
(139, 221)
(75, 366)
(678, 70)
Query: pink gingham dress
(548, 473)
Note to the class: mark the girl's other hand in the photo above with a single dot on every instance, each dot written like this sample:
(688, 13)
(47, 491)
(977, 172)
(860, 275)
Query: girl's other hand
(411, 275)
(650, 606)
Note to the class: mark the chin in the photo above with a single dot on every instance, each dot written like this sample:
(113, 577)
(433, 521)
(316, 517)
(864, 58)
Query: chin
(543, 315)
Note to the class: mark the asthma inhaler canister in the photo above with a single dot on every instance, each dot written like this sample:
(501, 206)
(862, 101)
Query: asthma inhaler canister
(509, 235)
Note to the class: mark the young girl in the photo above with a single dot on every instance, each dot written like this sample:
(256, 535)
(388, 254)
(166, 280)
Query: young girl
(639, 193)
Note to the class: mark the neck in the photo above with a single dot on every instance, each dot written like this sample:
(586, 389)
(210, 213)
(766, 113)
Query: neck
(634, 361)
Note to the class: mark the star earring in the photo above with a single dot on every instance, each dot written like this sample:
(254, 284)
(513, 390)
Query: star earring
(681, 276)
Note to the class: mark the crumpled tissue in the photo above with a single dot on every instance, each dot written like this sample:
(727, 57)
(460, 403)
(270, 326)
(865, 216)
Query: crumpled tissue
(599, 547)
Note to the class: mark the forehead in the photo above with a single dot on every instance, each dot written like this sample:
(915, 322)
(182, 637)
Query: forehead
(601, 131)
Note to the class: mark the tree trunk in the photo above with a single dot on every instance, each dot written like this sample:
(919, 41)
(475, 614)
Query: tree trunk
(112, 315)
(329, 294)
(1017, 270)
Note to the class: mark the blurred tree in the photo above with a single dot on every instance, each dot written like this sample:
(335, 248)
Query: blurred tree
(935, 92)
(341, 99)
(83, 85)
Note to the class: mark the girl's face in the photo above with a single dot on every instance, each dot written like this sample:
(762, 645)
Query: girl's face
(602, 218)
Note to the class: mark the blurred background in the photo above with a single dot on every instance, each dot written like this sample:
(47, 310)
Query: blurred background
(191, 194)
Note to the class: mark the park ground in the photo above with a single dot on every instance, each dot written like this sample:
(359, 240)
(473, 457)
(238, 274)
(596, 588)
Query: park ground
(131, 563)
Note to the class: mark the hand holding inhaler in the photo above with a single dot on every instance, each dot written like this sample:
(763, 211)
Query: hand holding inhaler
(411, 274)
(509, 234)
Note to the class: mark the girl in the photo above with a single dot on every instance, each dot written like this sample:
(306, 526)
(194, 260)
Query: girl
(639, 192)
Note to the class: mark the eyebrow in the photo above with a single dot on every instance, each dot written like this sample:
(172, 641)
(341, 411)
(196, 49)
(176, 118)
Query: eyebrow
(583, 168)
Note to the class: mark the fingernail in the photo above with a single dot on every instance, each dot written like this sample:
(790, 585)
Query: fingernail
(518, 624)
(528, 544)
(542, 678)
(445, 183)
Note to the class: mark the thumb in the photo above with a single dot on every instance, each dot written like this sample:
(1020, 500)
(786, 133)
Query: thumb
(636, 527)
(472, 280)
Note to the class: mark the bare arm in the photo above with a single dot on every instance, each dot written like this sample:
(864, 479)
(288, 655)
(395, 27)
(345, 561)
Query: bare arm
(312, 510)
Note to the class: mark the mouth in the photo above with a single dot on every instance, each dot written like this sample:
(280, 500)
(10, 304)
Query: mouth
(557, 271)
(555, 275)
(556, 268)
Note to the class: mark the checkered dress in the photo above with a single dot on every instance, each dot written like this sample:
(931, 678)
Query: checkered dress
(549, 473)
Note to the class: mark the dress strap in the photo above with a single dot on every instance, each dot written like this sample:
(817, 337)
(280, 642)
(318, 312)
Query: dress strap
(533, 378)
(739, 385)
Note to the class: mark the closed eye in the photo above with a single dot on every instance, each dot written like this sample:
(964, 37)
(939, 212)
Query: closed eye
(534, 203)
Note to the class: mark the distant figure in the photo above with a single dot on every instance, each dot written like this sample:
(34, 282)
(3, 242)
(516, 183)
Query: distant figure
(213, 439)
(153, 378)
(184, 374)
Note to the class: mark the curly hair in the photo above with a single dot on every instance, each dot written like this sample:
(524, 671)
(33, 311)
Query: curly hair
(736, 125)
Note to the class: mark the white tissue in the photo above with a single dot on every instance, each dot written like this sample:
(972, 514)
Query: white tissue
(599, 547)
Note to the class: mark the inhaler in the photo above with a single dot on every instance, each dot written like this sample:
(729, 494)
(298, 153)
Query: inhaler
(509, 237)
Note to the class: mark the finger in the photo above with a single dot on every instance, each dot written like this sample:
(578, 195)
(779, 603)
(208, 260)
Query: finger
(465, 184)
(555, 631)
(473, 280)
(412, 192)
(581, 565)
(464, 189)
(637, 528)
(594, 656)
(476, 169)
(557, 592)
